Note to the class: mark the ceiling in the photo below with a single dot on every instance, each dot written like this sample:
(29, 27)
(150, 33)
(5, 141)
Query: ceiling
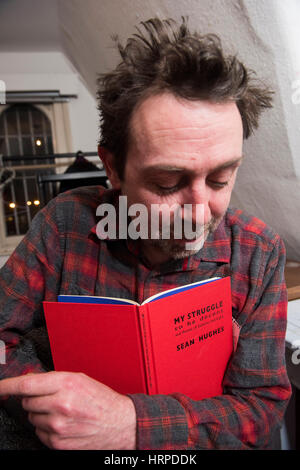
(83, 30)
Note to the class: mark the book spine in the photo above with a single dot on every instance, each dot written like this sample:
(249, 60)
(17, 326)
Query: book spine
(149, 365)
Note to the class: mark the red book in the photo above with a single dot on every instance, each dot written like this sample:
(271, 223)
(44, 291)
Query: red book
(177, 341)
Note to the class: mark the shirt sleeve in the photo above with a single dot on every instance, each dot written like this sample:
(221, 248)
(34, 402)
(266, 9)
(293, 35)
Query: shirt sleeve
(256, 387)
(30, 276)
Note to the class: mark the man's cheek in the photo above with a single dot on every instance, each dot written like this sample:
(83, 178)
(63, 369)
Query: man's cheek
(219, 206)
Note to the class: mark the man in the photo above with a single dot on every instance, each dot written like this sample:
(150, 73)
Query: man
(174, 114)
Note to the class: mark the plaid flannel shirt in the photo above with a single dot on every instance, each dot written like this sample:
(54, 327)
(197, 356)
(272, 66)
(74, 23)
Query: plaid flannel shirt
(61, 254)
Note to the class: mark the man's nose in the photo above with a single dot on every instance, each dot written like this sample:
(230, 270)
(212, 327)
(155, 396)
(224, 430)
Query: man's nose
(197, 199)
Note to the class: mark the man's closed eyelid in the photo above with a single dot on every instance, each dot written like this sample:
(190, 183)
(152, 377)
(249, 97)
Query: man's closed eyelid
(219, 184)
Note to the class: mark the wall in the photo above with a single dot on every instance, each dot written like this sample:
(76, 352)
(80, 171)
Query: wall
(268, 183)
(51, 70)
(264, 34)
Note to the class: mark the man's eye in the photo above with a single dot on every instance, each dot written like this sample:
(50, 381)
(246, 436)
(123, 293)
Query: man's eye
(218, 184)
(167, 189)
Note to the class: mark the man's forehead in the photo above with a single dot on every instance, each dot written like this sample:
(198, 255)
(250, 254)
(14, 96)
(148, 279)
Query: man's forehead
(184, 136)
(166, 105)
(165, 116)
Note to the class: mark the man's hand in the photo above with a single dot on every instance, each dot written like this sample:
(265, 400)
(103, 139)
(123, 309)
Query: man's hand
(72, 411)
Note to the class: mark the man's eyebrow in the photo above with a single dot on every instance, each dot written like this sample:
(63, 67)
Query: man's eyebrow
(166, 168)
(231, 163)
(154, 169)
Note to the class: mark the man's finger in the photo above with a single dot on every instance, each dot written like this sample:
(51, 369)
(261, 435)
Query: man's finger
(39, 404)
(29, 385)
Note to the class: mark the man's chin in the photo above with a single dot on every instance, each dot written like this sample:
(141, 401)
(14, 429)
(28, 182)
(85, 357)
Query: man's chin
(178, 249)
(173, 248)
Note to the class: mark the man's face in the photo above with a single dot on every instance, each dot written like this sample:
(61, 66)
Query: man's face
(182, 152)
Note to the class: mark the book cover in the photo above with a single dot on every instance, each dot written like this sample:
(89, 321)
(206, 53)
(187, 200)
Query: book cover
(176, 341)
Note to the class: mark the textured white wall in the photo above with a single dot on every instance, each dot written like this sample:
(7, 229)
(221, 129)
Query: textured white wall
(269, 184)
(265, 35)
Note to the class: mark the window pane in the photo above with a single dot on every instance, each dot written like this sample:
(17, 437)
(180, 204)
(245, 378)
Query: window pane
(33, 196)
(24, 120)
(10, 225)
(21, 205)
(14, 146)
(9, 212)
(23, 221)
(3, 146)
(19, 192)
(32, 189)
(2, 131)
(37, 122)
(27, 146)
(11, 120)
(7, 198)
(50, 144)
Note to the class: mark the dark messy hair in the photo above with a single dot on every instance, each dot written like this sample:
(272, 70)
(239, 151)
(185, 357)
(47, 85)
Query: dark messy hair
(167, 57)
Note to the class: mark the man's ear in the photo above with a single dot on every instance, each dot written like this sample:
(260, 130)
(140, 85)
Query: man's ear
(108, 161)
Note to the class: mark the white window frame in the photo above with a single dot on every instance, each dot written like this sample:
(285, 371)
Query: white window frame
(58, 114)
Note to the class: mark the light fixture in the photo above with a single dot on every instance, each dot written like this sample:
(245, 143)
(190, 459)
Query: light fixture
(12, 205)
(38, 142)
(36, 202)
(29, 203)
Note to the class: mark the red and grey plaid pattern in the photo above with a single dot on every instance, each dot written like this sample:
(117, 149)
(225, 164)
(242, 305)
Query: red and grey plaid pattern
(61, 254)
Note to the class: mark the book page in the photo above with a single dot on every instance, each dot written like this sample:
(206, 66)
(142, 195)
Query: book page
(178, 289)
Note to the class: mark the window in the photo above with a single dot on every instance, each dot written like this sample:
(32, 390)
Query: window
(25, 131)
(28, 134)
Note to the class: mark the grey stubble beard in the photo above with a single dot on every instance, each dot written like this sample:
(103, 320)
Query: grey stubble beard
(175, 250)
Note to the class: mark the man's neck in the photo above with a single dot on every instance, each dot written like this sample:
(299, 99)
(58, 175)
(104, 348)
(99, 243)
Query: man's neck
(152, 255)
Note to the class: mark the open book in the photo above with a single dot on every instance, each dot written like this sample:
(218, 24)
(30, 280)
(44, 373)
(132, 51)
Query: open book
(179, 340)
